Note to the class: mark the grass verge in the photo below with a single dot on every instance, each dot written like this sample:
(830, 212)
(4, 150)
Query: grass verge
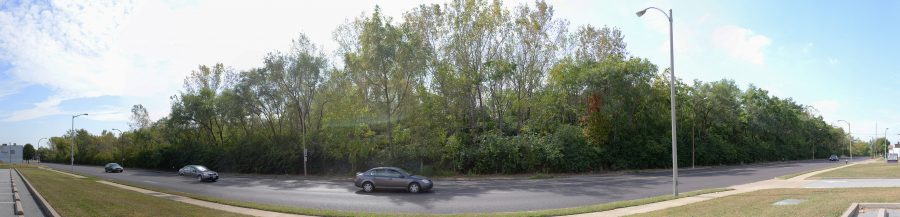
(866, 170)
(85, 197)
(541, 176)
(818, 202)
(323, 212)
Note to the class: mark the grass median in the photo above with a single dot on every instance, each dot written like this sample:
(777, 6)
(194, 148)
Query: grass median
(816, 202)
(866, 170)
(72, 196)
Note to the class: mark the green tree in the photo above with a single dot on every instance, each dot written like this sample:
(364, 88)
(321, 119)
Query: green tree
(28, 152)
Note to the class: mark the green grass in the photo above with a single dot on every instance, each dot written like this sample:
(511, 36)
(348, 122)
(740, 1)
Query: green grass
(85, 197)
(323, 212)
(819, 202)
(868, 170)
(541, 176)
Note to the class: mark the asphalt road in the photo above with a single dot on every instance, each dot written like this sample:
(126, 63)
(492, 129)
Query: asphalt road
(456, 196)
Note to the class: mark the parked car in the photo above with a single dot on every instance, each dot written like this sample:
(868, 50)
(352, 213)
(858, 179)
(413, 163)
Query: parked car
(199, 171)
(834, 157)
(391, 178)
(113, 168)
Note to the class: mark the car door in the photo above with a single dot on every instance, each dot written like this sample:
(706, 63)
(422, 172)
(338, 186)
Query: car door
(189, 171)
(395, 179)
(381, 179)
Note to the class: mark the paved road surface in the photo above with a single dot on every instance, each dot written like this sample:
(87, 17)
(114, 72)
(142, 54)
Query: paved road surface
(456, 196)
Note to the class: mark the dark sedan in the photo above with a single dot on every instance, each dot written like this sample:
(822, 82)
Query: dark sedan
(391, 178)
(113, 168)
(201, 172)
(834, 157)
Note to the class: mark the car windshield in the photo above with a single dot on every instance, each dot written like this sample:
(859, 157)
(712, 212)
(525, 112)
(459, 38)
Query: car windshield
(201, 168)
(112, 165)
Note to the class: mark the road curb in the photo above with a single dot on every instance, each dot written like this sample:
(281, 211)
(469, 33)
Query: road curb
(41, 202)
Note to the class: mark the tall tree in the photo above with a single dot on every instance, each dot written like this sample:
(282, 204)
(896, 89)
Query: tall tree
(28, 152)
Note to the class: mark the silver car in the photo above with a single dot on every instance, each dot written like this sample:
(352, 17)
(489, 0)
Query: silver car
(391, 178)
(201, 172)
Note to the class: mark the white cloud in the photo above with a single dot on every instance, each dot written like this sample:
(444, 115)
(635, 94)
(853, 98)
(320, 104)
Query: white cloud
(833, 61)
(741, 43)
(141, 51)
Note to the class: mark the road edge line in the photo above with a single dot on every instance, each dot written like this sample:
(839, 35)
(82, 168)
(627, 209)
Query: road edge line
(41, 202)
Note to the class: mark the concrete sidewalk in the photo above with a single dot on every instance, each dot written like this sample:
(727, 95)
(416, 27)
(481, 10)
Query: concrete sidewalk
(795, 182)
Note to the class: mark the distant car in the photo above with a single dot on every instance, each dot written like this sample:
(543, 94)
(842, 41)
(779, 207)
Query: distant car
(834, 157)
(113, 168)
(391, 178)
(199, 171)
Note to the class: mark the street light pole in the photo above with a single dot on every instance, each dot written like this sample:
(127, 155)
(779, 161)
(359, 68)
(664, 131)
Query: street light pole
(885, 139)
(672, 97)
(849, 145)
(39, 147)
(72, 147)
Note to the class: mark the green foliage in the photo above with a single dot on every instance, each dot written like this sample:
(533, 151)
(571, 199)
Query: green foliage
(28, 152)
(464, 87)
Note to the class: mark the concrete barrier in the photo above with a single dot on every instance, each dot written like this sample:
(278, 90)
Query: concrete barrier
(18, 208)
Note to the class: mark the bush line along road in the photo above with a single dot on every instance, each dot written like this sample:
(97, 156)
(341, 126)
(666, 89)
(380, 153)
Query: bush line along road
(453, 196)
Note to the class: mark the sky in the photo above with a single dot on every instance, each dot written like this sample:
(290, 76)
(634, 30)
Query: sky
(70, 57)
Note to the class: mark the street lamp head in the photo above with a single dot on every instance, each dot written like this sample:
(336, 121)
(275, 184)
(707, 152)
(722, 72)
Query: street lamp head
(641, 13)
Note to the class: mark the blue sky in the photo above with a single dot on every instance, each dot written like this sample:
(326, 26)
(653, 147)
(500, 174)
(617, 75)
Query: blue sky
(62, 58)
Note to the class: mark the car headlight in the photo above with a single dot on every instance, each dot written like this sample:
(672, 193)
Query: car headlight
(426, 181)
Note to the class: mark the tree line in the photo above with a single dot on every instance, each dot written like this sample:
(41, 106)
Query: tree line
(469, 86)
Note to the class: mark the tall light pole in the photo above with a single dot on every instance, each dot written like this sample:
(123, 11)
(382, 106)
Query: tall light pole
(122, 146)
(885, 139)
(39, 147)
(849, 134)
(72, 147)
(672, 96)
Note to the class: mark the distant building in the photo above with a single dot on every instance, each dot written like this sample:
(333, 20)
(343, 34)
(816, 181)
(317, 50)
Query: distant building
(11, 153)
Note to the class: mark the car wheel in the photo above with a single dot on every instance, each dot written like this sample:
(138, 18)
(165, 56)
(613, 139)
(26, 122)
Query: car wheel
(180, 174)
(368, 187)
(199, 178)
(414, 188)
